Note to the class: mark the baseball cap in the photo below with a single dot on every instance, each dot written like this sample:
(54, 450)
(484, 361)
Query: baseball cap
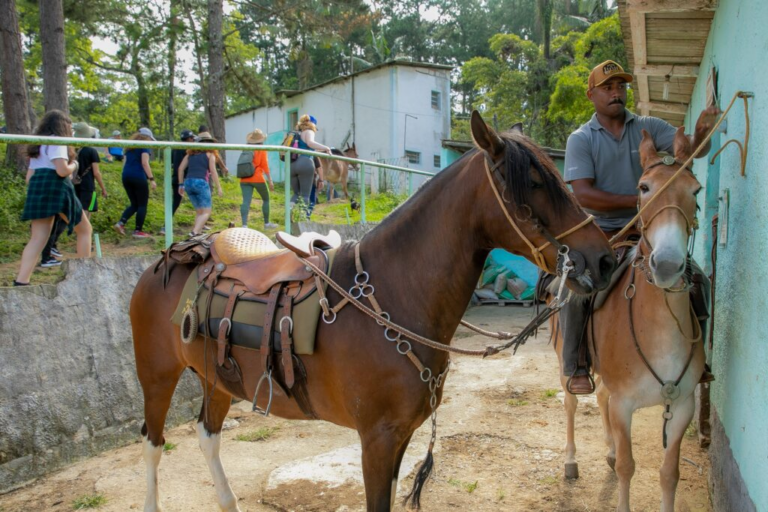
(116, 133)
(146, 131)
(313, 119)
(604, 72)
(187, 134)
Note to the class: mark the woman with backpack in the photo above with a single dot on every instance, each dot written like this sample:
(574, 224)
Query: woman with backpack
(200, 167)
(303, 168)
(50, 194)
(251, 169)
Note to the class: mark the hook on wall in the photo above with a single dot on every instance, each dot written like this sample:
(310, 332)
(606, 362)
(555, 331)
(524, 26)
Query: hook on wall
(743, 148)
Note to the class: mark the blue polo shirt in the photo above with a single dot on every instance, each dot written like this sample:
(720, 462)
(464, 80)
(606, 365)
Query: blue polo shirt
(592, 152)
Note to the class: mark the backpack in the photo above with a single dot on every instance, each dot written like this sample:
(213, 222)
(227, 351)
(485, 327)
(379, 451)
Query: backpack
(291, 140)
(245, 167)
(77, 176)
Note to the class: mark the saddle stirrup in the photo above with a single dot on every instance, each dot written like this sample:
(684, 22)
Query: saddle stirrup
(264, 412)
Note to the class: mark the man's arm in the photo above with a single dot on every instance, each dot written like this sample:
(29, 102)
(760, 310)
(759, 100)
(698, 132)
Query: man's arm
(595, 199)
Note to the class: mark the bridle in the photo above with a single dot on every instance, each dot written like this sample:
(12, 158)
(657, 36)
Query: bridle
(492, 167)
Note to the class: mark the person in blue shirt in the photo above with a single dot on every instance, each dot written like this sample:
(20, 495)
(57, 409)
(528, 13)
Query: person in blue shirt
(112, 154)
(137, 178)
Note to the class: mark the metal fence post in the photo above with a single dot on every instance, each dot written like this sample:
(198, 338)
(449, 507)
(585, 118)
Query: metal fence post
(410, 184)
(168, 202)
(362, 193)
(286, 166)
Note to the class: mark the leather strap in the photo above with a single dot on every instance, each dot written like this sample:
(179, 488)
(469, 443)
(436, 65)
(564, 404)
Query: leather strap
(269, 320)
(286, 340)
(225, 325)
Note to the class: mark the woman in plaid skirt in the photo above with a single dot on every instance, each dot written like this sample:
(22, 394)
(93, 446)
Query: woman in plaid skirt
(50, 193)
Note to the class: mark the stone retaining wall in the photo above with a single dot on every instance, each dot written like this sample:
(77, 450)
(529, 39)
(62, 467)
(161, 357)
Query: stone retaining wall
(68, 385)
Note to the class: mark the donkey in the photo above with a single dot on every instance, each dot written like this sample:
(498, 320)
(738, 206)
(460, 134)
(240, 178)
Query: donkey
(337, 171)
(645, 340)
(355, 377)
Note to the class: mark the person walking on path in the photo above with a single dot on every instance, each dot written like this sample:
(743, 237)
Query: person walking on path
(200, 167)
(257, 181)
(177, 155)
(114, 154)
(50, 194)
(88, 174)
(303, 168)
(136, 175)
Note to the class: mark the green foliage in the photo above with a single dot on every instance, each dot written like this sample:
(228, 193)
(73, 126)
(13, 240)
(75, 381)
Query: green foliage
(549, 393)
(260, 434)
(169, 447)
(89, 501)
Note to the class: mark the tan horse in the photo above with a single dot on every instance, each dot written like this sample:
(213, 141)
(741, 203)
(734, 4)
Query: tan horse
(646, 332)
(336, 171)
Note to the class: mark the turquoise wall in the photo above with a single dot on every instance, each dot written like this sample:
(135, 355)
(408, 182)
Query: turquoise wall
(737, 47)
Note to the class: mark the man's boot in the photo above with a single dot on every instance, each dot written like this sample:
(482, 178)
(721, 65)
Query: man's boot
(699, 300)
(573, 321)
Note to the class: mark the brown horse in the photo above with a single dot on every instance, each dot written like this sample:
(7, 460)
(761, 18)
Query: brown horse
(337, 171)
(356, 378)
(646, 331)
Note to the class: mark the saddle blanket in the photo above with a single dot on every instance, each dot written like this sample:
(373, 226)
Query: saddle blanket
(248, 316)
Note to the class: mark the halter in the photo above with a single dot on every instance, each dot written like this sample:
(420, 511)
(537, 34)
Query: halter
(536, 252)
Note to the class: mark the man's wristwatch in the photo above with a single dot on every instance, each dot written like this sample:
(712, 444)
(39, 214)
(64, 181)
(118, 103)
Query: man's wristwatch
(151, 178)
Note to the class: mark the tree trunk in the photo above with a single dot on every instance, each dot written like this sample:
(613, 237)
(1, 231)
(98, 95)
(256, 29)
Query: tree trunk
(54, 57)
(216, 69)
(141, 89)
(14, 85)
(200, 67)
(544, 15)
(175, 28)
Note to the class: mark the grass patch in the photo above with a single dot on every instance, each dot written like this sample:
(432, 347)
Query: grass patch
(513, 402)
(168, 447)
(89, 501)
(469, 487)
(260, 434)
(500, 495)
(691, 431)
(549, 480)
(549, 393)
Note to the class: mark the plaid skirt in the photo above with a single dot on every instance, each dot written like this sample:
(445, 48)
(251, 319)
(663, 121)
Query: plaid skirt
(48, 194)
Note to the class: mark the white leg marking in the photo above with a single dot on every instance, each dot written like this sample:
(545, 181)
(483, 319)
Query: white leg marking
(210, 445)
(152, 456)
(393, 495)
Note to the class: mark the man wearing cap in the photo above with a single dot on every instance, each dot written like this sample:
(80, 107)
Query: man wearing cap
(602, 164)
(114, 153)
(88, 173)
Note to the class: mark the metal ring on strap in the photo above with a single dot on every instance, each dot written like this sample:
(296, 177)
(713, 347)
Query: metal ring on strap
(290, 323)
(386, 335)
(404, 342)
(356, 292)
(362, 278)
(333, 318)
(428, 372)
(364, 290)
(385, 315)
(229, 325)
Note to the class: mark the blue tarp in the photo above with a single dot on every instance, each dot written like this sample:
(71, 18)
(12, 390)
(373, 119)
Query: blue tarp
(513, 264)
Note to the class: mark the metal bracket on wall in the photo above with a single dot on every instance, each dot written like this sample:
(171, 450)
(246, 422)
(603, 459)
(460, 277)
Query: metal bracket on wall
(743, 149)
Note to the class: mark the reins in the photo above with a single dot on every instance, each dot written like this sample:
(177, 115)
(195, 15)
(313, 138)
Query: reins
(682, 168)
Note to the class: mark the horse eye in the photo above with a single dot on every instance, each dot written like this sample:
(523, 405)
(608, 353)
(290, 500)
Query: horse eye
(643, 188)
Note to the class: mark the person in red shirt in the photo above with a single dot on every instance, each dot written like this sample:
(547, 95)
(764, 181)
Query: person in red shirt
(258, 181)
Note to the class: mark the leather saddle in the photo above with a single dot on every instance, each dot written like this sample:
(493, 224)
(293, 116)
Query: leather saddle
(243, 264)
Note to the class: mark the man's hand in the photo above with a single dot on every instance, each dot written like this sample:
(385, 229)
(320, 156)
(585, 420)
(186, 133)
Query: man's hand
(104, 193)
(705, 123)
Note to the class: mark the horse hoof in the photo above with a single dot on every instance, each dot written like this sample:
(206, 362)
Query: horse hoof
(611, 462)
(571, 470)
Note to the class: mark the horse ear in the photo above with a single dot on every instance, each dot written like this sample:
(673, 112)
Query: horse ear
(682, 145)
(484, 136)
(517, 128)
(647, 150)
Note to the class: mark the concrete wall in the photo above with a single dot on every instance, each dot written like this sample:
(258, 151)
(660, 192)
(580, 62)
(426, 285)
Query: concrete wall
(737, 46)
(68, 385)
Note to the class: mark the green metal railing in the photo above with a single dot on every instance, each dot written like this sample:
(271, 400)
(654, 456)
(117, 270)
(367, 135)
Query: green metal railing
(168, 146)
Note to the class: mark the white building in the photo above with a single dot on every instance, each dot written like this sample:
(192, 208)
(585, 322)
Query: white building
(397, 112)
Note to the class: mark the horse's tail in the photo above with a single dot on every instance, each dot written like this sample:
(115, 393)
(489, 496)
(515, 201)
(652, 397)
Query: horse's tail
(421, 478)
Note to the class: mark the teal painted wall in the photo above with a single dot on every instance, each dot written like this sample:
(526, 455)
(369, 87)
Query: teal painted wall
(737, 47)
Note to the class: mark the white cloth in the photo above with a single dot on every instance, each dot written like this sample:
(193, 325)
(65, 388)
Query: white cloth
(47, 155)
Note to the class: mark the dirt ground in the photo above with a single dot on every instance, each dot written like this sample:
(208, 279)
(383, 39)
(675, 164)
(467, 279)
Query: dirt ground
(501, 431)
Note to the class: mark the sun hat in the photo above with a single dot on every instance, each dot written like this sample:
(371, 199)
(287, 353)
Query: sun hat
(146, 131)
(83, 131)
(187, 134)
(604, 72)
(205, 137)
(255, 137)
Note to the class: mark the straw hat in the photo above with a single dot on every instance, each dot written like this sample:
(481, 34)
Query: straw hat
(205, 137)
(255, 137)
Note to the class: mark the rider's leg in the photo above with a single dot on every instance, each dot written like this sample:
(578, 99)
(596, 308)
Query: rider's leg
(573, 321)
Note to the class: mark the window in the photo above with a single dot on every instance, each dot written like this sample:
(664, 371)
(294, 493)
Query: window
(437, 161)
(436, 100)
(414, 157)
(292, 119)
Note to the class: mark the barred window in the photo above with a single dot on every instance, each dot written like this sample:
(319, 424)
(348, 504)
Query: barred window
(414, 157)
